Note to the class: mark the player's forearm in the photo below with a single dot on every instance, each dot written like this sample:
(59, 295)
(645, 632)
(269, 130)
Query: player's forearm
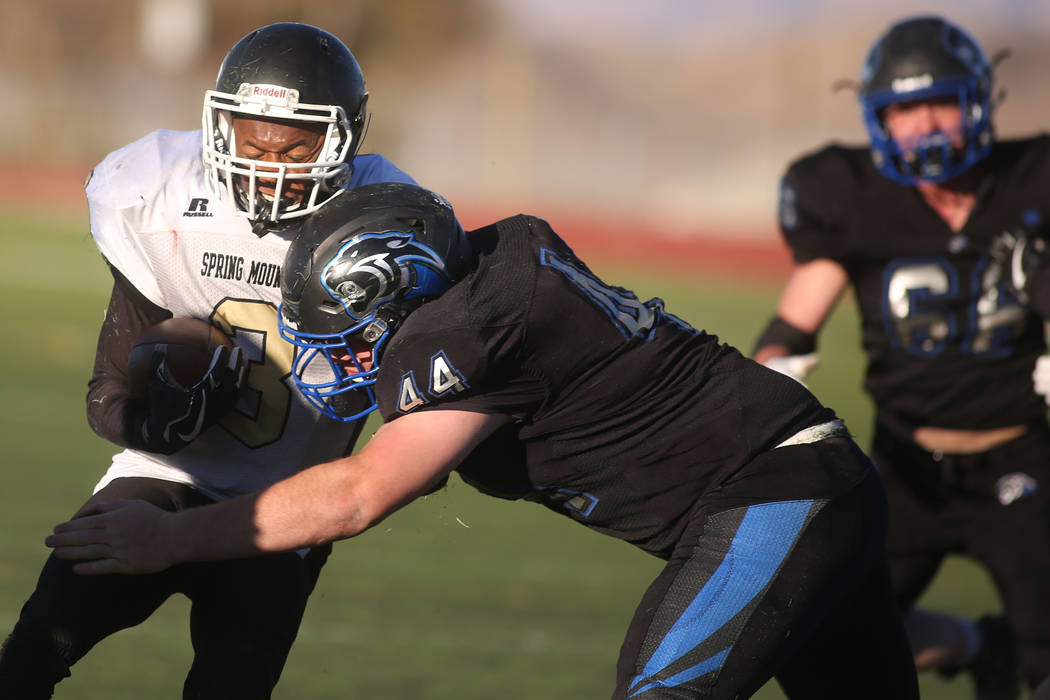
(335, 500)
(318, 505)
(111, 413)
(343, 498)
(764, 353)
(135, 537)
(321, 504)
(811, 293)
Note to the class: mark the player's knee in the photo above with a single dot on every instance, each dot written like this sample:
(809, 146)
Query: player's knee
(235, 670)
(32, 662)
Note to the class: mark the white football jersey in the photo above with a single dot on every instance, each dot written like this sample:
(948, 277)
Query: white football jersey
(154, 218)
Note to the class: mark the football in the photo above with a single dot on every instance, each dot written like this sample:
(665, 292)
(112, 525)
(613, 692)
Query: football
(188, 344)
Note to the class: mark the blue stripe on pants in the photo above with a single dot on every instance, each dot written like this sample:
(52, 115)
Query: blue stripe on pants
(765, 537)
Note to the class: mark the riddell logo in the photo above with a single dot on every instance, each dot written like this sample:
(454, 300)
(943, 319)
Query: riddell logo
(269, 91)
(198, 207)
(912, 84)
(266, 94)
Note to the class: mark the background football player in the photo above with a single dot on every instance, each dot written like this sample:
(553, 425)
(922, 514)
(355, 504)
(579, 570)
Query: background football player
(961, 438)
(500, 355)
(192, 231)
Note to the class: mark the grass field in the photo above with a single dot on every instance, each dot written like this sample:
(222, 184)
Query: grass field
(456, 596)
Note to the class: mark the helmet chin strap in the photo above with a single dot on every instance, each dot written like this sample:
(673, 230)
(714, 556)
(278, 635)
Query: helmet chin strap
(262, 224)
(350, 403)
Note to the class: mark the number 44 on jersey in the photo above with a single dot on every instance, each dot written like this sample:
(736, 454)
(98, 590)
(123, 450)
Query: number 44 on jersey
(444, 378)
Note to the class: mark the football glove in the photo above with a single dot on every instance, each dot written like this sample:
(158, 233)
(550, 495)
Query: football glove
(177, 414)
(1041, 377)
(797, 367)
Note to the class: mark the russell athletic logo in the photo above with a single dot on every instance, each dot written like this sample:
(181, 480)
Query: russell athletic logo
(198, 207)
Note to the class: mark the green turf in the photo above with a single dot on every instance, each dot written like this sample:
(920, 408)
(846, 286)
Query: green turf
(456, 596)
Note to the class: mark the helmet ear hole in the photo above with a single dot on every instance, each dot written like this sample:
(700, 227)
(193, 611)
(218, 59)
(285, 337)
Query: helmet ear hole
(416, 225)
(331, 307)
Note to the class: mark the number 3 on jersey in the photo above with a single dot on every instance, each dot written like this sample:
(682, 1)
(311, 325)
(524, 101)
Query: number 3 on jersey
(260, 418)
(444, 377)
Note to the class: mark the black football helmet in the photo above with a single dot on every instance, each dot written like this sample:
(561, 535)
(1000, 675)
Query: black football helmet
(927, 58)
(293, 72)
(353, 274)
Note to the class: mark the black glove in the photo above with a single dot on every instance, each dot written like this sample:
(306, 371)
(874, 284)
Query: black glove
(1018, 256)
(177, 414)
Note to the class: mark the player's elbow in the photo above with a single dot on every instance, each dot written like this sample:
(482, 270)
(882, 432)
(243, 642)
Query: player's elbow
(367, 504)
(353, 519)
(353, 510)
(359, 494)
(112, 417)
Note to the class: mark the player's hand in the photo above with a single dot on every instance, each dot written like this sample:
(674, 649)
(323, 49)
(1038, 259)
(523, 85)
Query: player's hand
(797, 367)
(1041, 377)
(118, 537)
(178, 414)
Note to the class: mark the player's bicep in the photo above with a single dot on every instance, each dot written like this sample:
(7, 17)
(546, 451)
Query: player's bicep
(408, 456)
(813, 214)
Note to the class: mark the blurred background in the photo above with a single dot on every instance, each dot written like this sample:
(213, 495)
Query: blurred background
(663, 122)
(677, 114)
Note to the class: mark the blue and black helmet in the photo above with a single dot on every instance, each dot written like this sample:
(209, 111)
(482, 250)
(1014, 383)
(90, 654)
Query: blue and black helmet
(351, 277)
(927, 58)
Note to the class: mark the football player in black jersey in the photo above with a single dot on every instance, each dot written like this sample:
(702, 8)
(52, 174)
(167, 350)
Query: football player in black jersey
(500, 355)
(961, 437)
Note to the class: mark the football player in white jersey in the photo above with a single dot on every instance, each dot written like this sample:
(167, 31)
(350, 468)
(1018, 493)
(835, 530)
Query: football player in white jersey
(196, 223)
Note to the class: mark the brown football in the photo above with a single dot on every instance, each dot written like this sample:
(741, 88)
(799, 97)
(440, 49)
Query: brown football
(188, 343)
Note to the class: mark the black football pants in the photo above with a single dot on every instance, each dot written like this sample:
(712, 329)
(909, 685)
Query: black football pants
(993, 507)
(780, 573)
(244, 613)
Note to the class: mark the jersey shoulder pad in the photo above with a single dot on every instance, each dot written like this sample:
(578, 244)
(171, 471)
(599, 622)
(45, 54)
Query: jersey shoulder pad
(370, 168)
(819, 194)
(501, 284)
(136, 189)
(134, 174)
(1023, 161)
(834, 165)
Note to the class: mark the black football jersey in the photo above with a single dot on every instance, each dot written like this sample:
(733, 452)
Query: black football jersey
(624, 413)
(947, 346)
